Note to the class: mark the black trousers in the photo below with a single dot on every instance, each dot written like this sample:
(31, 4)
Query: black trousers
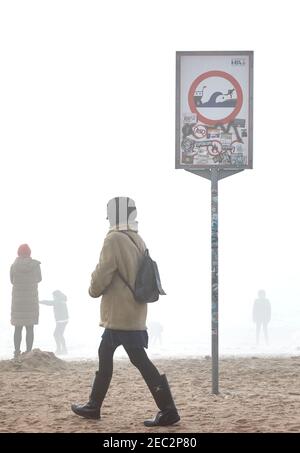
(138, 358)
(18, 338)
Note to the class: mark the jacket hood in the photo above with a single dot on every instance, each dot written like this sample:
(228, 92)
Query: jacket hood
(121, 213)
(125, 227)
(24, 265)
(58, 296)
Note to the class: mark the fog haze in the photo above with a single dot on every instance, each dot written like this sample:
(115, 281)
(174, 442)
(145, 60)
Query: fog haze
(87, 113)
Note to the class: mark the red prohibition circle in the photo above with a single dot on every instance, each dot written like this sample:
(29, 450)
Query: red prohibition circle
(230, 79)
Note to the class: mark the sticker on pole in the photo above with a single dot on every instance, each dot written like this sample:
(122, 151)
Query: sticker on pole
(214, 110)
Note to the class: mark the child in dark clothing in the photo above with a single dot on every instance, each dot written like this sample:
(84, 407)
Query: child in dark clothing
(60, 309)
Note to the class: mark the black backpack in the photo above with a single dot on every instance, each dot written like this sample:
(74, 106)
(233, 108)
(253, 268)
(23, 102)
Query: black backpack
(147, 286)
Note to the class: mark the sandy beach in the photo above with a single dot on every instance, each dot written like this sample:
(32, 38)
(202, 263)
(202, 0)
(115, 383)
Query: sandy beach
(256, 395)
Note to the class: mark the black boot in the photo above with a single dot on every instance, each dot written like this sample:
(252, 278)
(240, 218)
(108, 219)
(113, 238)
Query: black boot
(167, 414)
(92, 408)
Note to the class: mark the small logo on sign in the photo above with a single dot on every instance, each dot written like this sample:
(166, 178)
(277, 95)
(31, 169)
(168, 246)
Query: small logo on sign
(238, 61)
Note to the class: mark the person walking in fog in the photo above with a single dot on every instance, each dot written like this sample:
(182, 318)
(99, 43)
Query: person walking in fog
(60, 309)
(123, 318)
(25, 274)
(262, 315)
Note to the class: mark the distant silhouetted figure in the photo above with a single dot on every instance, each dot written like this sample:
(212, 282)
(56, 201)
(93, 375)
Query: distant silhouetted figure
(155, 332)
(262, 315)
(25, 274)
(60, 309)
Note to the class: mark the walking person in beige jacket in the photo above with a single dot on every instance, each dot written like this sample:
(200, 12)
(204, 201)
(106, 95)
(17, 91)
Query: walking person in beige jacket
(123, 318)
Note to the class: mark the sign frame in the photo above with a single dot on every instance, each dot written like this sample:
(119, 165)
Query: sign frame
(222, 166)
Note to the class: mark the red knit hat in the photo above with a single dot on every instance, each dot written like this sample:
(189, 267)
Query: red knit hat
(24, 250)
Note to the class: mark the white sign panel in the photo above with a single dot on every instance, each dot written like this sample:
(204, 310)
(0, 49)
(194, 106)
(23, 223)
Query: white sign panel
(214, 110)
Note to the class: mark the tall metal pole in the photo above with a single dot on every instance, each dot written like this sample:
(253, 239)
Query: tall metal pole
(214, 281)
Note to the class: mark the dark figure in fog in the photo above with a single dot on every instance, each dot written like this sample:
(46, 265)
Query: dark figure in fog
(123, 318)
(60, 309)
(155, 332)
(25, 274)
(262, 315)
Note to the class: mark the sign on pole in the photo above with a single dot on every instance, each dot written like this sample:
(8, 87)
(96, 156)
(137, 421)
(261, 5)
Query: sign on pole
(214, 110)
(214, 137)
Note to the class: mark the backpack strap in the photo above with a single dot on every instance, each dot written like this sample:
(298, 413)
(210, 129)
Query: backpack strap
(126, 283)
(120, 275)
(132, 240)
(156, 273)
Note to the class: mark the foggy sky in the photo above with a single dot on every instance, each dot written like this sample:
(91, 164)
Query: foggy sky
(87, 113)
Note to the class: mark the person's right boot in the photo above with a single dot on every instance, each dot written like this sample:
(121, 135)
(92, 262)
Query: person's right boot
(167, 414)
(92, 408)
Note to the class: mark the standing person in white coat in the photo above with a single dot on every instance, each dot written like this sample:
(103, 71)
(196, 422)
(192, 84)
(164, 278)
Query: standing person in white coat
(61, 314)
(25, 275)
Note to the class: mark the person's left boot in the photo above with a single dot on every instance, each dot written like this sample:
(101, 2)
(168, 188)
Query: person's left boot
(167, 414)
(92, 408)
(89, 410)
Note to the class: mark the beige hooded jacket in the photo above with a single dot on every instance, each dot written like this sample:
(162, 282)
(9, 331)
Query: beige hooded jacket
(118, 309)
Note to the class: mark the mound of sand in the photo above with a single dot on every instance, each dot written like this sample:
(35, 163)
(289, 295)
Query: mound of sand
(34, 360)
